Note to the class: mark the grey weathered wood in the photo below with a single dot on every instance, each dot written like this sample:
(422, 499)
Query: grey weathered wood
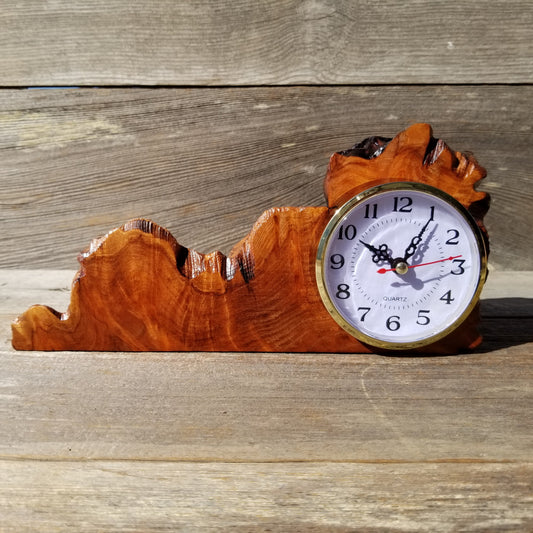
(268, 407)
(206, 162)
(256, 442)
(318, 497)
(264, 407)
(265, 42)
(506, 294)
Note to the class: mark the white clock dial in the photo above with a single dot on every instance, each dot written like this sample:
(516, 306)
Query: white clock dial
(401, 265)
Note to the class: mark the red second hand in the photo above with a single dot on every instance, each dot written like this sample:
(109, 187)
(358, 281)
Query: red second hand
(383, 270)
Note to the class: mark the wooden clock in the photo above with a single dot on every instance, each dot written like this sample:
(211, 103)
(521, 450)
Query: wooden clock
(394, 263)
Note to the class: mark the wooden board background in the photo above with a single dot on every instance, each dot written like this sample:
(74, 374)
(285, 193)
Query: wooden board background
(206, 162)
(267, 442)
(200, 115)
(247, 102)
(267, 42)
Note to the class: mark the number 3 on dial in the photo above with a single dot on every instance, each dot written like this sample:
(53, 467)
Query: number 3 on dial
(401, 265)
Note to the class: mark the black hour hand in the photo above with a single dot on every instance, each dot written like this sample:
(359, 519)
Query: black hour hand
(381, 253)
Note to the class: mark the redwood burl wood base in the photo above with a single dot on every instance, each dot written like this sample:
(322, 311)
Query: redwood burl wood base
(138, 289)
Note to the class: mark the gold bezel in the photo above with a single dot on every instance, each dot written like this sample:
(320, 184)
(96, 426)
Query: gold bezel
(330, 230)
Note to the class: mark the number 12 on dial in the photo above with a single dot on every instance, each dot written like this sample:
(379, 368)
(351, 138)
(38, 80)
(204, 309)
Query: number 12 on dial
(401, 265)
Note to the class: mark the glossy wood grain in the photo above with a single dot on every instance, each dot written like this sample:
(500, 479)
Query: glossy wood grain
(138, 289)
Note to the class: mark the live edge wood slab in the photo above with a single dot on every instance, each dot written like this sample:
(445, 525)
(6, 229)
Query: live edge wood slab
(138, 289)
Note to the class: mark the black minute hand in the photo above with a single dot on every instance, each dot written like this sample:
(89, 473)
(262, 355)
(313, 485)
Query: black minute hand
(415, 241)
(380, 254)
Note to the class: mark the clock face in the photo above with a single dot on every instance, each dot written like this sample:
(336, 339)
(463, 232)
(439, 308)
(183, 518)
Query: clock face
(401, 265)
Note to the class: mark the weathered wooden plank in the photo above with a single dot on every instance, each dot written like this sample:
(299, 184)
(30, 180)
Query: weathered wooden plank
(507, 303)
(265, 42)
(265, 407)
(206, 162)
(100, 441)
(149, 497)
(506, 294)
